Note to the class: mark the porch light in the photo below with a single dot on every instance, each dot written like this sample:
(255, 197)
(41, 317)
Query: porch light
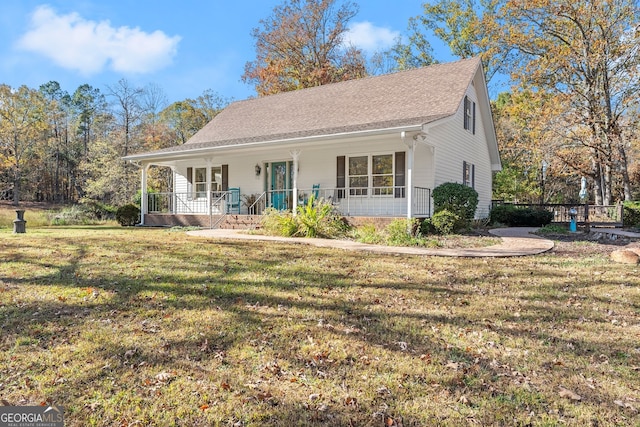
(258, 169)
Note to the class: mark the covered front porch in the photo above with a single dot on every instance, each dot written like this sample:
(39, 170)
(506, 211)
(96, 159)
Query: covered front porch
(234, 210)
(384, 175)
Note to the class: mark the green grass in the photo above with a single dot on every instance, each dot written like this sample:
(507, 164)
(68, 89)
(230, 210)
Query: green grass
(147, 327)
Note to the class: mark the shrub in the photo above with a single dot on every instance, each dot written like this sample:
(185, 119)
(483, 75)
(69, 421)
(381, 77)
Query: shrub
(445, 221)
(311, 218)
(279, 223)
(73, 215)
(367, 233)
(101, 211)
(553, 229)
(402, 232)
(426, 227)
(631, 214)
(520, 217)
(314, 219)
(458, 199)
(128, 215)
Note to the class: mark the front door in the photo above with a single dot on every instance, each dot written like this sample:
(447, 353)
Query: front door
(279, 185)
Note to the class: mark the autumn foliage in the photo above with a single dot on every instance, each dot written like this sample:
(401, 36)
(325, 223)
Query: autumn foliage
(301, 45)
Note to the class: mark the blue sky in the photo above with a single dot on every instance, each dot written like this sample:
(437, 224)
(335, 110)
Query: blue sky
(184, 47)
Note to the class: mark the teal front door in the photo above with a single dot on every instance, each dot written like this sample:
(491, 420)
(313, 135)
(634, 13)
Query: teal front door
(279, 185)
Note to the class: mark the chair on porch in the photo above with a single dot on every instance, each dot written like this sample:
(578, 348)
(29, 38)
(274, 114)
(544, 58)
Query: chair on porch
(316, 191)
(233, 200)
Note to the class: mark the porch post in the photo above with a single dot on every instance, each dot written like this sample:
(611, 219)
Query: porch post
(208, 178)
(144, 202)
(296, 155)
(412, 147)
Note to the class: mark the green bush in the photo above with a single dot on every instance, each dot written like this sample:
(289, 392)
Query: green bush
(553, 229)
(426, 227)
(367, 233)
(402, 232)
(314, 219)
(100, 211)
(128, 215)
(279, 223)
(631, 214)
(445, 221)
(514, 216)
(458, 199)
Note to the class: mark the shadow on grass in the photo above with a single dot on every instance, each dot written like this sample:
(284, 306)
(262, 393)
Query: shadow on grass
(245, 295)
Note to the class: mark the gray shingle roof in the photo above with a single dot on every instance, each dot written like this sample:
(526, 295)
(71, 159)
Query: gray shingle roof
(407, 98)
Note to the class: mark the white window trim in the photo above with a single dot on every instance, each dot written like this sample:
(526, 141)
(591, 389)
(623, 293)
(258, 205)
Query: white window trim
(370, 188)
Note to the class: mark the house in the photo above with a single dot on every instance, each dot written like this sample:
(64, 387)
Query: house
(373, 147)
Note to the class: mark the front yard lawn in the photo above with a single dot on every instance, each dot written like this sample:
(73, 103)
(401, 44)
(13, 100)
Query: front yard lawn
(139, 327)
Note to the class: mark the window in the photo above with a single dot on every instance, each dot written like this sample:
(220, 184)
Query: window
(216, 178)
(382, 173)
(358, 175)
(200, 181)
(469, 115)
(469, 174)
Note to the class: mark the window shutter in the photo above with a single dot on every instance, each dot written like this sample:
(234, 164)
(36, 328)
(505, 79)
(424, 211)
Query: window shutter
(466, 110)
(473, 176)
(340, 176)
(225, 177)
(189, 181)
(399, 178)
(473, 114)
(464, 173)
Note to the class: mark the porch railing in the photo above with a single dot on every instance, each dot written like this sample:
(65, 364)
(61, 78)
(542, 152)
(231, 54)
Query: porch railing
(361, 201)
(188, 203)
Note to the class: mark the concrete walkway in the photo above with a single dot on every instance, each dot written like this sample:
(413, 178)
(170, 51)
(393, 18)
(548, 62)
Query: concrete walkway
(515, 242)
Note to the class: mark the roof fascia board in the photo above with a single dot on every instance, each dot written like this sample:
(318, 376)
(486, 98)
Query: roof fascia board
(288, 141)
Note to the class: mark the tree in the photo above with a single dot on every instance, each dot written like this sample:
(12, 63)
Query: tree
(129, 110)
(57, 107)
(467, 27)
(22, 126)
(586, 53)
(301, 45)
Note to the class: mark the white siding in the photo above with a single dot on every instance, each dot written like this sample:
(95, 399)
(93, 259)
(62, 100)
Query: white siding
(317, 166)
(456, 145)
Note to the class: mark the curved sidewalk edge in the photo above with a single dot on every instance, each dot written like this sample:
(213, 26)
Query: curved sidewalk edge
(515, 242)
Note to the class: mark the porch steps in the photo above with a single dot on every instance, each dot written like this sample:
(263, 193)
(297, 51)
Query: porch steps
(230, 221)
(241, 222)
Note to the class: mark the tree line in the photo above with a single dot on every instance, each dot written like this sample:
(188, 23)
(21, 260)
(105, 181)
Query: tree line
(567, 73)
(63, 147)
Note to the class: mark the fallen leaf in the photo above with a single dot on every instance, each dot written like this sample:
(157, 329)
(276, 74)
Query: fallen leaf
(164, 376)
(225, 386)
(350, 401)
(204, 407)
(569, 394)
(264, 396)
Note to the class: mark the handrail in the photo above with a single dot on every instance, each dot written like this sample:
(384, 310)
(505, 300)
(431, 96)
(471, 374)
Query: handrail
(262, 198)
(221, 198)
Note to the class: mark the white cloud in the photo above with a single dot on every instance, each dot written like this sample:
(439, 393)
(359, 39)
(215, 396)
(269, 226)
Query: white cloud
(88, 46)
(370, 38)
